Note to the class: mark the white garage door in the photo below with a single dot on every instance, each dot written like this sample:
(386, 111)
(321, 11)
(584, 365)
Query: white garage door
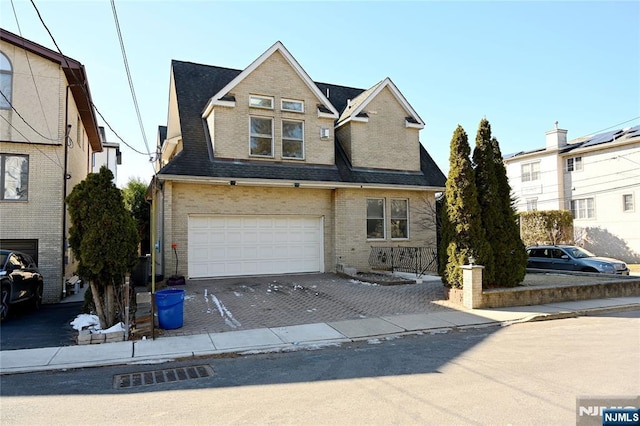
(222, 246)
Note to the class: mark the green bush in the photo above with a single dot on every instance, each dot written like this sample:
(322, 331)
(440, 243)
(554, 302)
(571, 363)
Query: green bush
(546, 227)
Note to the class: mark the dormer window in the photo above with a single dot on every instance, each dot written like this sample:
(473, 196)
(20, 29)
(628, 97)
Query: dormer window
(256, 101)
(292, 105)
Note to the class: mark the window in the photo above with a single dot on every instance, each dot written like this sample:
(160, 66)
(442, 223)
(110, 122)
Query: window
(399, 219)
(627, 203)
(292, 139)
(583, 208)
(14, 176)
(291, 105)
(6, 83)
(532, 204)
(261, 140)
(574, 164)
(261, 101)
(530, 172)
(375, 219)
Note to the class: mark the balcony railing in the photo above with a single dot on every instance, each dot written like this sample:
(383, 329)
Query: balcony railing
(417, 260)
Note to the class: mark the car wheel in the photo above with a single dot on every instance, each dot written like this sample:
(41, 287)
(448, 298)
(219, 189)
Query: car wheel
(5, 297)
(37, 298)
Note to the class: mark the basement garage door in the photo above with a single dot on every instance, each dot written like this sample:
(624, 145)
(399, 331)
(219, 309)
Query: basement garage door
(223, 246)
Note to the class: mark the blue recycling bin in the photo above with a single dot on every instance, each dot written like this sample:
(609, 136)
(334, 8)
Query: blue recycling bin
(170, 303)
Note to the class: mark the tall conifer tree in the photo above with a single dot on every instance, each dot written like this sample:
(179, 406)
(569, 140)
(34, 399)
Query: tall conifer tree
(467, 236)
(487, 187)
(511, 265)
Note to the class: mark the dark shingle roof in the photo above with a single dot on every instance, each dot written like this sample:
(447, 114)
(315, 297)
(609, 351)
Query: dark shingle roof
(195, 84)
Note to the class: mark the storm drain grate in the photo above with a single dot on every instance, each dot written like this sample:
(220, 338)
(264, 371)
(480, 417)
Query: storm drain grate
(148, 378)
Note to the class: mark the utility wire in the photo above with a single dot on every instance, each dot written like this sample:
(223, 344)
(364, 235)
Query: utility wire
(26, 122)
(26, 54)
(82, 84)
(57, 163)
(126, 66)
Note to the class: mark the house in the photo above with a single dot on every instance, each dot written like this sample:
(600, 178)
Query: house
(265, 171)
(48, 133)
(110, 156)
(595, 177)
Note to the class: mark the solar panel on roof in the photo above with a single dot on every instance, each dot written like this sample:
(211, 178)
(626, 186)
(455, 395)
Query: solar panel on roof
(634, 131)
(603, 137)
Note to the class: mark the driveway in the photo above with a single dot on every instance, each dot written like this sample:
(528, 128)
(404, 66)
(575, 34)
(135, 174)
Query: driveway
(219, 305)
(48, 327)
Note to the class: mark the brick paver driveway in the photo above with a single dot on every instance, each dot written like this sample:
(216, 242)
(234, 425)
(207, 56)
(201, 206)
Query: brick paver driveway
(219, 305)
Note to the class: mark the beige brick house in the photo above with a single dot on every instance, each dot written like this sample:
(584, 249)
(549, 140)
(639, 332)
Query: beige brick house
(264, 171)
(48, 132)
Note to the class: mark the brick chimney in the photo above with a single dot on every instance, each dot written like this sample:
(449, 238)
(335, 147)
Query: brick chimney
(556, 138)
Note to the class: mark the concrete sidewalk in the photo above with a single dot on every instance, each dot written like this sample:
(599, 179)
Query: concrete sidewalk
(294, 337)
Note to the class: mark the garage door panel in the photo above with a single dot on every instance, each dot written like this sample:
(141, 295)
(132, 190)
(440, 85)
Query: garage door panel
(253, 245)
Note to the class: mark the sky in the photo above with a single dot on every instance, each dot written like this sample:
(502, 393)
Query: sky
(522, 65)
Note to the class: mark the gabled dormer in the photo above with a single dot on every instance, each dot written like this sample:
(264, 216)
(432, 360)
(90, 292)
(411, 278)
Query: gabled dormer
(379, 129)
(272, 111)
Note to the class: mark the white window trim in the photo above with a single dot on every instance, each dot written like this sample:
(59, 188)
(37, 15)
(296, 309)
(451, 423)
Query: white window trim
(283, 100)
(624, 205)
(530, 165)
(384, 219)
(586, 208)
(272, 138)
(391, 218)
(269, 98)
(532, 204)
(576, 163)
(283, 138)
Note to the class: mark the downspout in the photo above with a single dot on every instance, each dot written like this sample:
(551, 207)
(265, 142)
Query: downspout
(67, 130)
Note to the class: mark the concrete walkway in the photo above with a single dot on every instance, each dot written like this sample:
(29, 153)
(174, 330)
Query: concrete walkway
(294, 337)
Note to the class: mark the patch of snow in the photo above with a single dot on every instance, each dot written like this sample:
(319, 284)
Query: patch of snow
(354, 281)
(374, 341)
(92, 323)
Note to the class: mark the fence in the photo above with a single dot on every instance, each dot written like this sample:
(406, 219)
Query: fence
(417, 260)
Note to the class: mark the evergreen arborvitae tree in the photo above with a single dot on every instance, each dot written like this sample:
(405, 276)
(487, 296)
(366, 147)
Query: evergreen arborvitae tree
(104, 239)
(487, 187)
(511, 265)
(467, 236)
(445, 235)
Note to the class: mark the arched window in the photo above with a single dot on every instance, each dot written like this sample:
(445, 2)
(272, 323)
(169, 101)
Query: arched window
(6, 77)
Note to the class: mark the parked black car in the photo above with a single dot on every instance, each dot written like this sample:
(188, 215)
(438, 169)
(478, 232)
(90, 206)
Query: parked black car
(573, 258)
(20, 281)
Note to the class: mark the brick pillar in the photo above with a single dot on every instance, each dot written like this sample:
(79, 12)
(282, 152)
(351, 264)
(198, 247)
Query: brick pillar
(472, 286)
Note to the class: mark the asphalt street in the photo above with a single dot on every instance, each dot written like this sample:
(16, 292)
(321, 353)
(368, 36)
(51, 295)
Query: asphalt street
(48, 327)
(528, 373)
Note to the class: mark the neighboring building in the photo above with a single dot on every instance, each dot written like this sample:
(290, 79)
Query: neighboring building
(110, 156)
(264, 171)
(596, 177)
(48, 132)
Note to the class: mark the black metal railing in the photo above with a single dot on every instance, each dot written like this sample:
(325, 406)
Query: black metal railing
(417, 260)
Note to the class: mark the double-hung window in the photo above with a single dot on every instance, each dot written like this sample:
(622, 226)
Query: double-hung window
(375, 219)
(583, 208)
(292, 139)
(574, 164)
(261, 139)
(532, 204)
(530, 172)
(627, 203)
(14, 177)
(400, 219)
